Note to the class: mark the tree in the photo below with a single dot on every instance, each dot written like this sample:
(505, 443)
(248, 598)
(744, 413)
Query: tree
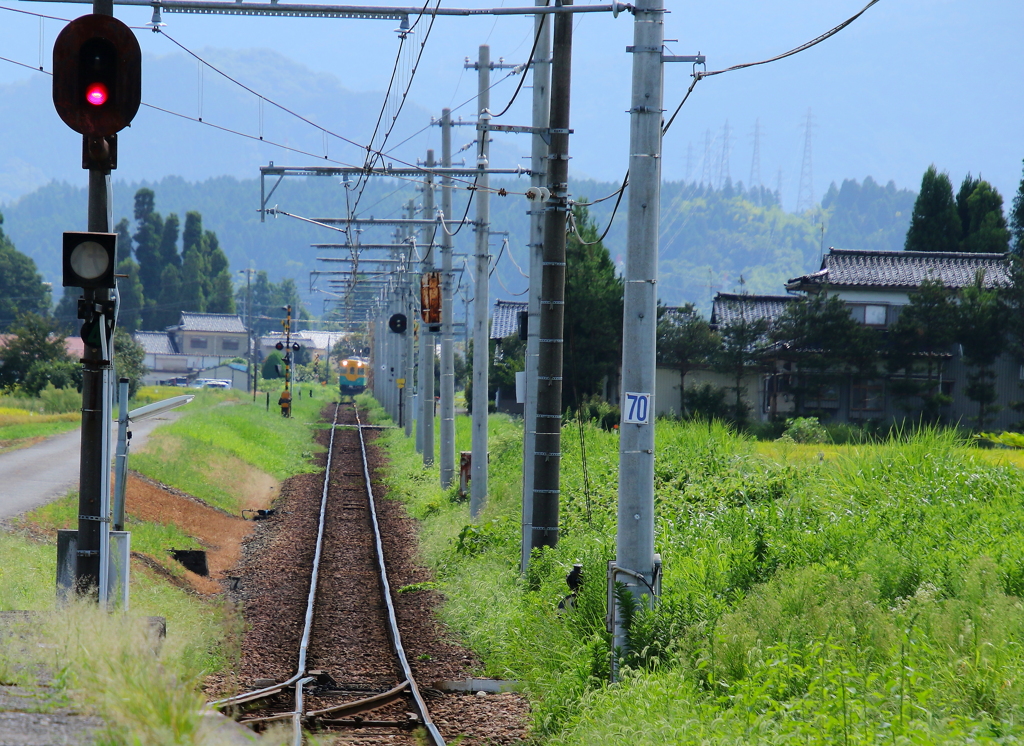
(65, 313)
(167, 311)
(967, 187)
(593, 313)
(934, 224)
(128, 359)
(1017, 220)
(148, 236)
(744, 341)
(925, 329)
(827, 343)
(129, 288)
(685, 339)
(981, 330)
(124, 240)
(273, 366)
(986, 229)
(35, 339)
(21, 286)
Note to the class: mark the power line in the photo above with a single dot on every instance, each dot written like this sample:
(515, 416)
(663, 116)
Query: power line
(698, 76)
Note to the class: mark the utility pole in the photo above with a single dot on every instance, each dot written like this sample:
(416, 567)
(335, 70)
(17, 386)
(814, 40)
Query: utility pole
(547, 456)
(447, 309)
(426, 336)
(407, 309)
(286, 395)
(538, 166)
(481, 296)
(635, 562)
(252, 347)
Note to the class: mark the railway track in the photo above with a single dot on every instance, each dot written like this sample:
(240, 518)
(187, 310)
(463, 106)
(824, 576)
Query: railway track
(349, 687)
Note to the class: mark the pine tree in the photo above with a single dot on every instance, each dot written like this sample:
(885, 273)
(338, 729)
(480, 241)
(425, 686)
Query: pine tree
(1017, 220)
(220, 288)
(133, 301)
(593, 313)
(124, 240)
(963, 211)
(925, 329)
(169, 241)
(934, 224)
(148, 236)
(167, 312)
(987, 232)
(981, 330)
(685, 339)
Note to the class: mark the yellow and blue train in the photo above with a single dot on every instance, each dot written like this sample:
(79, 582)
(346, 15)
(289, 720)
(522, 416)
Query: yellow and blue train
(352, 378)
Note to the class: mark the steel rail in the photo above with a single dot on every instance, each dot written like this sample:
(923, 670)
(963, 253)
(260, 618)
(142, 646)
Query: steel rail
(395, 633)
(299, 679)
(269, 691)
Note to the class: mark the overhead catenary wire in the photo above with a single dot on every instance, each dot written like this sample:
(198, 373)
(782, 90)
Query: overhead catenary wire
(525, 68)
(697, 77)
(260, 138)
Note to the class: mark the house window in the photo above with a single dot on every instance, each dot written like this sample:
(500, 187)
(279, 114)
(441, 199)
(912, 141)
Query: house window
(827, 397)
(866, 398)
(197, 343)
(229, 344)
(868, 315)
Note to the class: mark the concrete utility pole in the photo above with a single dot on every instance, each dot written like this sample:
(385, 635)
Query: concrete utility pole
(547, 456)
(426, 337)
(252, 347)
(481, 296)
(408, 310)
(447, 310)
(635, 558)
(538, 165)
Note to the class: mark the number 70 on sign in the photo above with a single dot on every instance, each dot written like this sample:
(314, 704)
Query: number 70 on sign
(638, 409)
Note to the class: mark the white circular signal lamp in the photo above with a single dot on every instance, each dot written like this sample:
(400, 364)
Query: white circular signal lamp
(89, 260)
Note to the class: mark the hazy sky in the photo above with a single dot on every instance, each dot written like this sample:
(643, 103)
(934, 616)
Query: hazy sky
(911, 83)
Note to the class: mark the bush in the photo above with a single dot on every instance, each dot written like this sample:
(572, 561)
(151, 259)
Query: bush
(805, 430)
(708, 402)
(60, 374)
(59, 401)
(273, 367)
(597, 410)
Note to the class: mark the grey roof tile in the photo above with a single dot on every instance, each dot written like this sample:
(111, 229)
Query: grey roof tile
(904, 269)
(211, 322)
(730, 307)
(158, 343)
(505, 318)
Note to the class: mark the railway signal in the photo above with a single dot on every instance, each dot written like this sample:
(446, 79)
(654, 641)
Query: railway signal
(89, 259)
(97, 75)
(398, 323)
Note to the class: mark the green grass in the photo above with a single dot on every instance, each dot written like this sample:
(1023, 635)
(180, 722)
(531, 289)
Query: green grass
(106, 663)
(819, 594)
(221, 435)
(154, 539)
(18, 426)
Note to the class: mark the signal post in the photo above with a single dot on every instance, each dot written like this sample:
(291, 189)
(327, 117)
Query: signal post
(97, 90)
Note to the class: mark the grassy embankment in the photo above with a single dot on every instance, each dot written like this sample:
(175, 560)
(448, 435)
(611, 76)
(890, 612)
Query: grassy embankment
(220, 447)
(851, 595)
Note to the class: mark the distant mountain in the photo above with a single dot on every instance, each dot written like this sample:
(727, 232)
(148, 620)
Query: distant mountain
(160, 143)
(710, 238)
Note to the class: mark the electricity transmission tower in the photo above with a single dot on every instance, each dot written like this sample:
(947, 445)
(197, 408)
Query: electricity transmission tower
(805, 192)
(723, 156)
(755, 160)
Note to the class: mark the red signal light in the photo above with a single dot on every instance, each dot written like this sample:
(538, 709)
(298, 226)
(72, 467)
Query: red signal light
(96, 94)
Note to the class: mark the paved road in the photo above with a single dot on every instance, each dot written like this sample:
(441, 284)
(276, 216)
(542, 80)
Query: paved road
(33, 476)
